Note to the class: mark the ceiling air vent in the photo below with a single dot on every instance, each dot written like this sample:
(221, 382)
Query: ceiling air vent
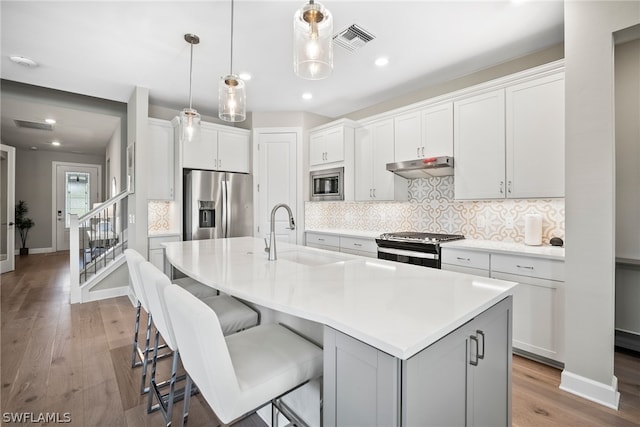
(33, 125)
(353, 38)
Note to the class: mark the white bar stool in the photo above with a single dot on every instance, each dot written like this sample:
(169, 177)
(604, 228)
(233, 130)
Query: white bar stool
(234, 316)
(243, 372)
(140, 356)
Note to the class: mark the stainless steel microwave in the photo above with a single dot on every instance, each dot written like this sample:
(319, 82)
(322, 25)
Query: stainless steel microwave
(327, 184)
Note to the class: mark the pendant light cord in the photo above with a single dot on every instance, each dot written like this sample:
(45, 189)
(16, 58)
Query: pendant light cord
(190, 73)
(231, 60)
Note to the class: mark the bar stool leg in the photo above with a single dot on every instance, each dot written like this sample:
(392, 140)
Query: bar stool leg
(136, 328)
(143, 386)
(274, 415)
(186, 401)
(153, 372)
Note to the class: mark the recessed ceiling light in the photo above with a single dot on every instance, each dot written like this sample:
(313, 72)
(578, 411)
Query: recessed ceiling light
(23, 60)
(245, 76)
(50, 121)
(307, 95)
(382, 61)
(55, 143)
(34, 148)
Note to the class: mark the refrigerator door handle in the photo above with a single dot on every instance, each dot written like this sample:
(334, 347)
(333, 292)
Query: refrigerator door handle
(225, 208)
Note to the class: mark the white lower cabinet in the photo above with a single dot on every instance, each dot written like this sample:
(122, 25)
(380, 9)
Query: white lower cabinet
(156, 251)
(464, 261)
(462, 379)
(363, 246)
(538, 303)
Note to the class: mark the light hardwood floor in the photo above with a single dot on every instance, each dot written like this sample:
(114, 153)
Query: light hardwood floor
(57, 357)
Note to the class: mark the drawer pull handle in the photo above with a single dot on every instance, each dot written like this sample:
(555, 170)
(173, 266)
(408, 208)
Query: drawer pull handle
(463, 259)
(473, 362)
(524, 266)
(357, 244)
(320, 240)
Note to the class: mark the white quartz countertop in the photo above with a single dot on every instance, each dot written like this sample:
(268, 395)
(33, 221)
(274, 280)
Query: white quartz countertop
(397, 308)
(543, 251)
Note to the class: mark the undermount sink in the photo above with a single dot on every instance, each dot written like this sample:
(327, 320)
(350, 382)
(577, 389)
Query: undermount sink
(312, 260)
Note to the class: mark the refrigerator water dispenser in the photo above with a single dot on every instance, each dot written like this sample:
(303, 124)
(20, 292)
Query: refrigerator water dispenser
(207, 214)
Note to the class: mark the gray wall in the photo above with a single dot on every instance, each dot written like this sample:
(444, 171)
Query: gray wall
(590, 194)
(520, 64)
(33, 184)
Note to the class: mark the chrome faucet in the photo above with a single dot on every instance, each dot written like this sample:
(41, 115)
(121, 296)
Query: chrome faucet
(271, 247)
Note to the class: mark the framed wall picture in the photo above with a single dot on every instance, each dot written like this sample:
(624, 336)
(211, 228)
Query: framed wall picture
(131, 167)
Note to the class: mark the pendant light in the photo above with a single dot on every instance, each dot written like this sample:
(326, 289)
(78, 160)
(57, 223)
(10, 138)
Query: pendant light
(312, 41)
(189, 117)
(231, 93)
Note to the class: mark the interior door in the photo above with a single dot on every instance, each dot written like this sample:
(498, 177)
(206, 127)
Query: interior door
(76, 188)
(7, 207)
(277, 183)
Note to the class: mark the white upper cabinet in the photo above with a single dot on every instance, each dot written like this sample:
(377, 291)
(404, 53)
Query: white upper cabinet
(424, 133)
(160, 165)
(373, 150)
(332, 142)
(479, 150)
(327, 145)
(437, 131)
(233, 150)
(408, 136)
(535, 138)
(219, 148)
(510, 142)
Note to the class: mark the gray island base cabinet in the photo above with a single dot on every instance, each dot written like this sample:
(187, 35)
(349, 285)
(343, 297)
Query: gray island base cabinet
(463, 379)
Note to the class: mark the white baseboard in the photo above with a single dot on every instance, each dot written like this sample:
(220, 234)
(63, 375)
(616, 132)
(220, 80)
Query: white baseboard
(589, 389)
(106, 293)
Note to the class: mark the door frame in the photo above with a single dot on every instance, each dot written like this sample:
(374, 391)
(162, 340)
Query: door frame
(300, 167)
(9, 263)
(54, 194)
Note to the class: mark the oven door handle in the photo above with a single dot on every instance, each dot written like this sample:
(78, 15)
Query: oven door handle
(413, 254)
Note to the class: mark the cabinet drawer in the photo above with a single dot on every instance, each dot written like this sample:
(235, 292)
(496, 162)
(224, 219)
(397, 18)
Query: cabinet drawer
(358, 244)
(467, 270)
(156, 242)
(323, 239)
(528, 266)
(465, 258)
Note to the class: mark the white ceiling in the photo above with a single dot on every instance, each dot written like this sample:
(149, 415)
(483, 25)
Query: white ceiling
(105, 49)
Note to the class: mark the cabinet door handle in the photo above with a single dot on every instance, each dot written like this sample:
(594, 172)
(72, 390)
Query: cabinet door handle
(509, 186)
(528, 267)
(501, 187)
(463, 259)
(374, 193)
(417, 151)
(471, 354)
(422, 151)
(219, 163)
(481, 353)
(371, 193)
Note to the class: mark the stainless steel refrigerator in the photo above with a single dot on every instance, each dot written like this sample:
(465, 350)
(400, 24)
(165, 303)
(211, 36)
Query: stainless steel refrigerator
(217, 205)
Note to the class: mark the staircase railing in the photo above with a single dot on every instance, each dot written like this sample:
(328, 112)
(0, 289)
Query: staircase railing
(96, 240)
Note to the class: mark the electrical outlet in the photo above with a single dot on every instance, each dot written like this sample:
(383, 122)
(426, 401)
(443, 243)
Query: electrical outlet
(508, 222)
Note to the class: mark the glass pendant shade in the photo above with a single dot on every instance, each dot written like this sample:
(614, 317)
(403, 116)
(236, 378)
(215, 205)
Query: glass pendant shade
(189, 125)
(313, 42)
(232, 100)
(189, 117)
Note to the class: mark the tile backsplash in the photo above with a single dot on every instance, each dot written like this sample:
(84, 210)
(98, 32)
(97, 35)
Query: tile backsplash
(431, 208)
(162, 217)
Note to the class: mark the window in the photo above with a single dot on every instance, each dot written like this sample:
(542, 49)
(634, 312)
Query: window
(78, 189)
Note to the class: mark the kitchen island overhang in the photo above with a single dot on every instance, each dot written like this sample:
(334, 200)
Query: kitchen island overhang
(397, 308)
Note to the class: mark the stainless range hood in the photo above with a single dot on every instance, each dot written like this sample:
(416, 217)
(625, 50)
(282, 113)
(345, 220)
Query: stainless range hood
(423, 168)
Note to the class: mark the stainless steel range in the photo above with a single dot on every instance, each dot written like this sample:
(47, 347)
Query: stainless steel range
(413, 247)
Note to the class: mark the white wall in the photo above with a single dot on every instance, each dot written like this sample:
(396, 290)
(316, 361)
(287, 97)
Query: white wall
(113, 156)
(137, 120)
(590, 195)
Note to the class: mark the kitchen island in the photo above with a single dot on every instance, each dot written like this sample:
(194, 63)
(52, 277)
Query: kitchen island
(403, 345)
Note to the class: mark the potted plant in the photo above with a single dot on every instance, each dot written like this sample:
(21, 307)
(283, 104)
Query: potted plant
(23, 224)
